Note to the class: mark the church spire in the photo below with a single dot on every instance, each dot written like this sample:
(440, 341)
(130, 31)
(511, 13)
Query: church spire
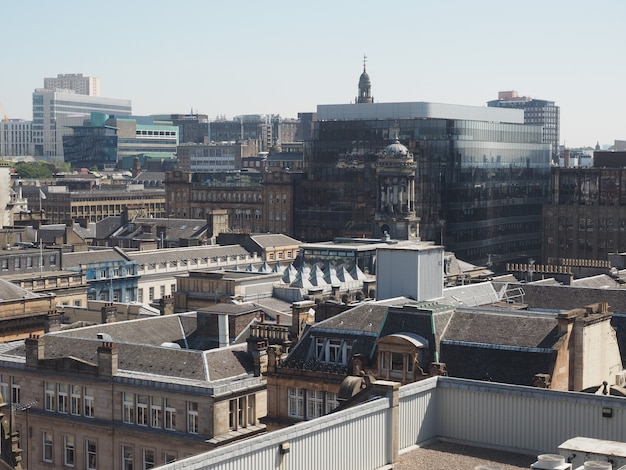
(365, 86)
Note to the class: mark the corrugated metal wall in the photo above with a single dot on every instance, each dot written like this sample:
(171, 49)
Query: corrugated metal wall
(354, 439)
(483, 414)
(417, 413)
(528, 420)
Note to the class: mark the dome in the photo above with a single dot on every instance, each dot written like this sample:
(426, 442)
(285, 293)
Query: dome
(364, 80)
(396, 149)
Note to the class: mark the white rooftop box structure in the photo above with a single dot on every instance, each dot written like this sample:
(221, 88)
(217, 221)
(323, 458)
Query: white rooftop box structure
(413, 270)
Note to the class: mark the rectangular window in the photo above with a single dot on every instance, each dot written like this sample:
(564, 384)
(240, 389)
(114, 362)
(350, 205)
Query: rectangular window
(314, 403)
(162, 291)
(68, 454)
(140, 295)
(151, 294)
(127, 457)
(192, 417)
(156, 412)
(296, 402)
(4, 387)
(169, 456)
(129, 408)
(47, 446)
(15, 393)
(88, 402)
(51, 396)
(91, 454)
(170, 415)
(331, 401)
(148, 458)
(75, 403)
(62, 398)
(142, 410)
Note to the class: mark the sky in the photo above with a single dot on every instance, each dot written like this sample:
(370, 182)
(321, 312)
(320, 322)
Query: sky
(226, 58)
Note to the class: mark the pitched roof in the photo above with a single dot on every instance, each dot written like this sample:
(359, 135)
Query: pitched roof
(10, 291)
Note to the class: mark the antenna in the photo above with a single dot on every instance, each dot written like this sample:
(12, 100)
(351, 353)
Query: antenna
(364, 61)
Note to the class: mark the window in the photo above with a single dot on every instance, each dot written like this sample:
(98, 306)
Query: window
(129, 408)
(314, 403)
(62, 398)
(75, 403)
(53, 259)
(192, 417)
(4, 387)
(5, 264)
(47, 446)
(397, 361)
(162, 291)
(88, 402)
(127, 458)
(91, 454)
(296, 402)
(51, 396)
(156, 412)
(15, 393)
(148, 458)
(17, 263)
(140, 295)
(336, 351)
(331, 401)
(151, 294)
(142, 410)
(170, 415)
(68, 454)
(169, 457)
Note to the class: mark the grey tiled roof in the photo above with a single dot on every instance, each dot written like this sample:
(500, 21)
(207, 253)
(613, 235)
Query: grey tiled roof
(9, 291)
(138, 343)
(525, 331)
(144, 331)
(559, 297)
(82, 258)
(187, 253)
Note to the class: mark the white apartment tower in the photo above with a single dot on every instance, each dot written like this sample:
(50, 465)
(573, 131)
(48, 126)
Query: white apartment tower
(74, 81)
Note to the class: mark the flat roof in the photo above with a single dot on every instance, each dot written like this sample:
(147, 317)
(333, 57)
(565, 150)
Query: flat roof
(420, 109)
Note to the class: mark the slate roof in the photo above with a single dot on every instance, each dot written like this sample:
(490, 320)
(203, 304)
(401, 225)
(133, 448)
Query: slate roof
(10, 291)
(143, 331)
(495, 328)
(83, 258)
(107, 226)
(559, 297)
(361, 324)
(186, 253)
(139, 349)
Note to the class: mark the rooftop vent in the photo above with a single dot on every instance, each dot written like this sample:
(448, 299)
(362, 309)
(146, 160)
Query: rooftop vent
(551, 461)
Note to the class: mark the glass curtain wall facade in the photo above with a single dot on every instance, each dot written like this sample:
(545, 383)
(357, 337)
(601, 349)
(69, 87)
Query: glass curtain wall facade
(480, 185)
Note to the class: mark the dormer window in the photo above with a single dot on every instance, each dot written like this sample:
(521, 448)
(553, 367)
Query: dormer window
(332, 350)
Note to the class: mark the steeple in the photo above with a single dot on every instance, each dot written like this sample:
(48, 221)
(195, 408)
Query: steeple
(365, 86)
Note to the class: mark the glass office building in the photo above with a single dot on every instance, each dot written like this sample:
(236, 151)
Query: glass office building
(481, 180)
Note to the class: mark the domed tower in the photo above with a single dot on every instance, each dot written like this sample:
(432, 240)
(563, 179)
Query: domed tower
(365, 86)
(395, 206)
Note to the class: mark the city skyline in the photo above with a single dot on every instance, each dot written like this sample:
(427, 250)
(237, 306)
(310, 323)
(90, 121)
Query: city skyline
(284, 58)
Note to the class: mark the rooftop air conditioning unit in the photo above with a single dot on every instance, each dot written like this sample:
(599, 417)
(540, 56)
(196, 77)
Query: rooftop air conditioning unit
(620, 378)
(551, 462)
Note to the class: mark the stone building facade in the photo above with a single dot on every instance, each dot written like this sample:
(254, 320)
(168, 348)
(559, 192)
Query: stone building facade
(90, 403)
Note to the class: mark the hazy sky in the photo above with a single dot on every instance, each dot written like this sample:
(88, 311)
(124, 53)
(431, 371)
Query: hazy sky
(227, 58)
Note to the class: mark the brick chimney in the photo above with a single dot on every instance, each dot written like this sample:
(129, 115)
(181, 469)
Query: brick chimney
(107, 359)
(108, 313)
(166, 305)
(52, 321)
(34, 350)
